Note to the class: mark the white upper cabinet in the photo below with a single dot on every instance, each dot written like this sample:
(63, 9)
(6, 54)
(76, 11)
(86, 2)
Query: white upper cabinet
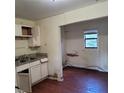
(23, 31)
(18, 31)
(33, 34)
(35, 40)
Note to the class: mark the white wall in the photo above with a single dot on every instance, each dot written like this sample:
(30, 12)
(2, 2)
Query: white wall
(51, 30)
(74, 43)
(21, 45)
(24, 22)
(63, 46)
(103, 57)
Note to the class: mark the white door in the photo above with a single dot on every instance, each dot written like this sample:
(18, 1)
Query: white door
(36, 73)
(44, 70)
(18, 30)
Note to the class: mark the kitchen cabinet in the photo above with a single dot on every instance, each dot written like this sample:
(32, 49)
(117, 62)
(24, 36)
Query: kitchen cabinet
(35, 40)
(23, 31)
(33, 34)
(39, 72)
(18, 31)
(44, 70)
(35, 73)
(26, 31)
(24, 80)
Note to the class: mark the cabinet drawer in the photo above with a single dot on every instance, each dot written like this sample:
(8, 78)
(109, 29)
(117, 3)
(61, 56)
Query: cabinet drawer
(35, 63)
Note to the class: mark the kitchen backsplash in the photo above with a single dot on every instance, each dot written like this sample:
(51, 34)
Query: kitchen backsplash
(21, 47)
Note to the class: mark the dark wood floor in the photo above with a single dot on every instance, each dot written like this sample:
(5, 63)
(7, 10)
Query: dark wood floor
(75, 81)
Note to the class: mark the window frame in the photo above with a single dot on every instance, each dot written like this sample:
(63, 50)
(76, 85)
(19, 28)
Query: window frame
(92, 32)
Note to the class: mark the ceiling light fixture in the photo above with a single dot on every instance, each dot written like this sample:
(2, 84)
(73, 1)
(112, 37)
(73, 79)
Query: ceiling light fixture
(56, 0)
(53, 0)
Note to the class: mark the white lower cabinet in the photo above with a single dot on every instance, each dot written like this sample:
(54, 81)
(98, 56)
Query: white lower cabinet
(30, 74)
(39, 72)
(44, 70)
(24, 80)
(35, 73)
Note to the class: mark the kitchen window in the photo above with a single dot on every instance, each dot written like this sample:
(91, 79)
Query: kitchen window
(91, 39)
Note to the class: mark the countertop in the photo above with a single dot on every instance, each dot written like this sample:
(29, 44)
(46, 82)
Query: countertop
(29, 58)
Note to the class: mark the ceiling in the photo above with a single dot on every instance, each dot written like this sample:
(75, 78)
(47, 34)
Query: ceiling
(98, 23)
(39, 9)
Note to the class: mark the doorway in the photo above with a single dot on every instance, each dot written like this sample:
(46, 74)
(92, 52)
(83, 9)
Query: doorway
(74, 50)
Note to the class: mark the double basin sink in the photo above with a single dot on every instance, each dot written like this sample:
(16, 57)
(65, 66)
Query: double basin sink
(28, 58)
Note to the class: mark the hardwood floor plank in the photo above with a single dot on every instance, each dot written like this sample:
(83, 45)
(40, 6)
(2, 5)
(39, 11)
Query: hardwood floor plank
(75, 81)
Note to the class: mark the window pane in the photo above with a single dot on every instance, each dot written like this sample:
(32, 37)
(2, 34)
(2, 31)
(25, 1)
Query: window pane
(91, 43)
(90, 35)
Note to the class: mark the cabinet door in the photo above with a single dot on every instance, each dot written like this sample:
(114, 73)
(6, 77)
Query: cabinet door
(44, 70)
(36, 73)
(24, 82)
(38, 35)
(35, 40)
(18, 31)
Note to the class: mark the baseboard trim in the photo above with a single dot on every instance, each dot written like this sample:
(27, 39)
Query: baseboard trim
(52, 78)
(87, 68)
(60, 79)
(35, 83)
